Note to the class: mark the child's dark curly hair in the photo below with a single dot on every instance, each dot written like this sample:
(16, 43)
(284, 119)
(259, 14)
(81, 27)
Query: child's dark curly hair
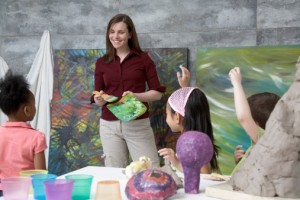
(14, 92)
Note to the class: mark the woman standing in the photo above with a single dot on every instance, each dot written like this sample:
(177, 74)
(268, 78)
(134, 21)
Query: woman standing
(124, 69)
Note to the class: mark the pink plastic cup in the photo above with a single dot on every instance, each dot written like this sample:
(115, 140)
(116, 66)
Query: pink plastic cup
(16, 188)
(30, 172)
(59, 189)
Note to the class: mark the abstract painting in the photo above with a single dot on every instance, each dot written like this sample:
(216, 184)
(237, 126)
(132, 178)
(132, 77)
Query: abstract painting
(74, 139)
(263, 69)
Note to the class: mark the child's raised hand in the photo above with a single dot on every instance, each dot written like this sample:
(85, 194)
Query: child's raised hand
(184, 80)
(235, 76)
(169, 155)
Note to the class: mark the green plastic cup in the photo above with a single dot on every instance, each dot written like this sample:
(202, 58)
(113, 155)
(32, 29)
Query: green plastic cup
(82, 186)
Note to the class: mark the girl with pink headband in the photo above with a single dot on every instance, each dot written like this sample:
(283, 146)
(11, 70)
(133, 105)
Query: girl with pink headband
(188, 109)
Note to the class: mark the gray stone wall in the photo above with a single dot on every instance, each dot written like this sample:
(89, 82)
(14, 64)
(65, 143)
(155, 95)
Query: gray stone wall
(81, 24)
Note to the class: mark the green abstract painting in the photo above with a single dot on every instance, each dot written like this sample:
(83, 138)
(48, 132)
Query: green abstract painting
(264, 69)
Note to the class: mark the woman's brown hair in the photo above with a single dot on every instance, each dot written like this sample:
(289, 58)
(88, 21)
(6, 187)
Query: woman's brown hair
(132, 42)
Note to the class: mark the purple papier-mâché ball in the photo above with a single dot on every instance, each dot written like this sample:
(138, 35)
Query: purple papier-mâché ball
(194, 150)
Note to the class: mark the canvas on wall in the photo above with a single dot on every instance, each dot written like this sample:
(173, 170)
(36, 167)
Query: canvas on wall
(74, 139)
(263, 69)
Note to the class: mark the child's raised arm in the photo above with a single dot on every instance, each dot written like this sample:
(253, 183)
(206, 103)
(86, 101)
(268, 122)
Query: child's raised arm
(242, 108)
(184, 77)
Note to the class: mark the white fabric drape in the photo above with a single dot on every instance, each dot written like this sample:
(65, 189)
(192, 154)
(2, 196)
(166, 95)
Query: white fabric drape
(40, 78)
(3, 70)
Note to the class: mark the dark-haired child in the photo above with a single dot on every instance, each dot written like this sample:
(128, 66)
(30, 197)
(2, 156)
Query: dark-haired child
(188, 109)
(21, 146)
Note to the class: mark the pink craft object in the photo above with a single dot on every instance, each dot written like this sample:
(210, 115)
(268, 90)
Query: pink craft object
(151, 185)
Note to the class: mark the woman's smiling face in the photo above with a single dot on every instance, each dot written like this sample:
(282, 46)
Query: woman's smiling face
(119, 36)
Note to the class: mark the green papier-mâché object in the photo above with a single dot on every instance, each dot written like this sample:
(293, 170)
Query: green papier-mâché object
(127, 108)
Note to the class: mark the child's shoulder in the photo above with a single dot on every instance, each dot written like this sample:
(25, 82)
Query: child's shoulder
(20, 127)
(38, 133)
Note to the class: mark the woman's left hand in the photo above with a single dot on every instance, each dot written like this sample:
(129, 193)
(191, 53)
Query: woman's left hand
(127, 92)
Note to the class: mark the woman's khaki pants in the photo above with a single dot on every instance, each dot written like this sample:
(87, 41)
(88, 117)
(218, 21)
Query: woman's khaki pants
(120, 137)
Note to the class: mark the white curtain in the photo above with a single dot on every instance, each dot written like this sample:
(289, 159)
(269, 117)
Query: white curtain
(40, 78)
(3, 70)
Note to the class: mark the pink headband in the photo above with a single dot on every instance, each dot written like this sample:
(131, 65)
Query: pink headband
(178, 99)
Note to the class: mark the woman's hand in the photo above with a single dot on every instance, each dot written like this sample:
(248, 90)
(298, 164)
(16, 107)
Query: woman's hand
(128, 93)
(98, 99)
(148, 96)
(184, 80)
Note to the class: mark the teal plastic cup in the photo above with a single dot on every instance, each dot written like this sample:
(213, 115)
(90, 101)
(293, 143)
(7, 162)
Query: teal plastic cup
(59, 189)
(38, 185)
(82, 186)
(16, 188)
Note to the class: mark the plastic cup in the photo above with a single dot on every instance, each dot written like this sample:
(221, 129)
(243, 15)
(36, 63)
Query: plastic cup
(38, 184)
(16, 188)
(108, 190)
(59, 189)
(31, 172)
(82, 186)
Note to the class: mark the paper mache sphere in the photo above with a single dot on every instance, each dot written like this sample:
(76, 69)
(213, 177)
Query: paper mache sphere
(194, 149)
(151, 185)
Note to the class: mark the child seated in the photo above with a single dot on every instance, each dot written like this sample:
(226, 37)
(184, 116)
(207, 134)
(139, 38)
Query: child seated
(261, 105)
(21, 146)
(188, 109)
(252, 112)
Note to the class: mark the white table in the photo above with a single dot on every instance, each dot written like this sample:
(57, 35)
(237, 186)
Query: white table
(109, 173)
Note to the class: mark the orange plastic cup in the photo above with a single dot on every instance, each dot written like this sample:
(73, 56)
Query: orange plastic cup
(108, 190)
